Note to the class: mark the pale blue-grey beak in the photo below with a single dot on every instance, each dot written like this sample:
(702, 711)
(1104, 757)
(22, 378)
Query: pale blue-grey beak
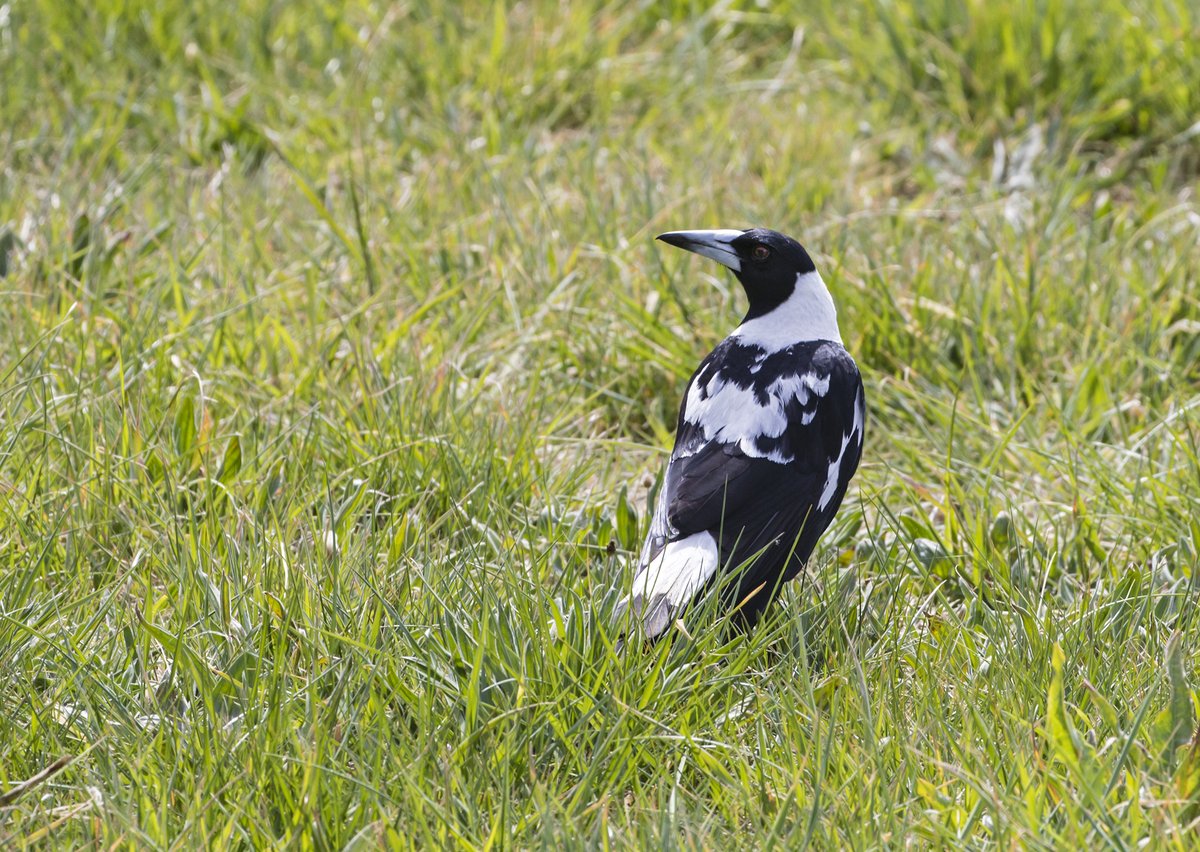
(712, 244)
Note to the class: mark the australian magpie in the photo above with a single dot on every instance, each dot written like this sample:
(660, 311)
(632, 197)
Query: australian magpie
(770, 433)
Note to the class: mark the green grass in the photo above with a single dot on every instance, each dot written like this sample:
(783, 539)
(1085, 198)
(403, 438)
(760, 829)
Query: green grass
(338, 356)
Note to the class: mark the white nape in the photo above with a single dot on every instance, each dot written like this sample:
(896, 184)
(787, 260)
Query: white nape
(807, 314)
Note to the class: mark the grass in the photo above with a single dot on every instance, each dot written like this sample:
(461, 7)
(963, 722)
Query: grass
(339, 364)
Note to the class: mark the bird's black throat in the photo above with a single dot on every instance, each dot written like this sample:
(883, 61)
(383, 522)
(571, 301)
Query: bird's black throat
(763, 302)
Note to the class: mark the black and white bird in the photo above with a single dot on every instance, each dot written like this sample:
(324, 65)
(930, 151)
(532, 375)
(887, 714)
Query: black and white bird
(770, 433)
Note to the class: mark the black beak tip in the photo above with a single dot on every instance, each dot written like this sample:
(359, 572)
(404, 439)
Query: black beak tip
(673, 239)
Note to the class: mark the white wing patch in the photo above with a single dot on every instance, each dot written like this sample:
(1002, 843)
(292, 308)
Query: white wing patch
(835, 464)
(819, 386)
(800, 386)
(733, 415)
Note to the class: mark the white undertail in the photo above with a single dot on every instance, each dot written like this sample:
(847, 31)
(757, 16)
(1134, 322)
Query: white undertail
(671, 578)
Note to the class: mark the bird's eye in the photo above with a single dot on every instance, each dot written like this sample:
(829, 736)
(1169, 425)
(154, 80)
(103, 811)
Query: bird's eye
(761, 252)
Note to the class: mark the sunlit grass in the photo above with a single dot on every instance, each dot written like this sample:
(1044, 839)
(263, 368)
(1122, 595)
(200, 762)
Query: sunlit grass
(340, 364)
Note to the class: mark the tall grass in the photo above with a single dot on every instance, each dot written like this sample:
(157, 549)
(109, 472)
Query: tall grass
(339, 365)
(1095, 70)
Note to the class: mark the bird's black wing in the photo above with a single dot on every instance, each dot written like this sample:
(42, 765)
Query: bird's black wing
(768, 496)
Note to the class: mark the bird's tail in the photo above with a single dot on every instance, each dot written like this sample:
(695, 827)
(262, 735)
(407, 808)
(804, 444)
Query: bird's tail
(667, 583)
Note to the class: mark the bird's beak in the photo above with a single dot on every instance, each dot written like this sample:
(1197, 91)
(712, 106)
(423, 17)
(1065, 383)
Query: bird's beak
(714, 244)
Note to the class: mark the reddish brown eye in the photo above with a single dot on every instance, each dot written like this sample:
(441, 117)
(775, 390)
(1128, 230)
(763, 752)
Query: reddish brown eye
(761, 252)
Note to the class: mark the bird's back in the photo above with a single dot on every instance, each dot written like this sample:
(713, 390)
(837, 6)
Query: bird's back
(767, 442)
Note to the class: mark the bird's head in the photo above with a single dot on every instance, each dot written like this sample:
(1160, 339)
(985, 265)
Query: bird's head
(768, 263)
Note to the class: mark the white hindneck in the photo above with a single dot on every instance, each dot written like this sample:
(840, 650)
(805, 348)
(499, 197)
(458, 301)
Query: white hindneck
(807, 314)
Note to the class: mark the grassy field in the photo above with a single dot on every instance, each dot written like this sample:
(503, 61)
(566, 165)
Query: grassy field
(339, 364)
